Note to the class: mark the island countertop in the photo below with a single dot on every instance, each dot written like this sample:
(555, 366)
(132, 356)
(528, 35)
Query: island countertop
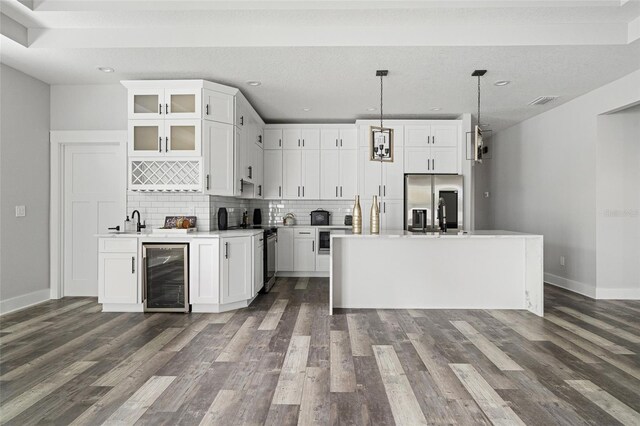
(195, 234)
(447, 235)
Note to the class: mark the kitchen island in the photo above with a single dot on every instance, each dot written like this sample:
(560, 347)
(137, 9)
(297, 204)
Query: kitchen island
(404, 270)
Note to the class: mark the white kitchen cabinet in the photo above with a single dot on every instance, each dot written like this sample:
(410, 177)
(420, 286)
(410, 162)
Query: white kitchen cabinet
(432, 148)
(445, 160)
(246, 170)
(291, 174)
(300, 174)
(272, 138)
(300, 138)
(285, 249)
(272, 174)
(117, 271)
(384, 179)
(258, 180)
(204, 271)
(337, 138)
(219, 148)
(417, 136)
(417, 159)
(304, 250)
(391, 215)
(163, 138)
(236, 264)
(445, 135)
(169, 103)
(311, 174)
(218, 106)
(258, 263)
(338, 174)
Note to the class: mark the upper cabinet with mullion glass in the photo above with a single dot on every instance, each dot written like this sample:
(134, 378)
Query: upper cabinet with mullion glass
(146, 104)
(155, 104)
(183, 103)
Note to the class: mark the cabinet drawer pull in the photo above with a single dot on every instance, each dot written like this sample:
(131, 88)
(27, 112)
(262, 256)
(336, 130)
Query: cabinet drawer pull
(133, 264)
(304, 233)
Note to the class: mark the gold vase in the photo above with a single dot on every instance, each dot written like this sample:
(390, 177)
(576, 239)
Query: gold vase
(356, 225)
(375, 216)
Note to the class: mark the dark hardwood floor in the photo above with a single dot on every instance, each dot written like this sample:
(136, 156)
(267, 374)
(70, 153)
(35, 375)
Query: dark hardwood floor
(284, 360)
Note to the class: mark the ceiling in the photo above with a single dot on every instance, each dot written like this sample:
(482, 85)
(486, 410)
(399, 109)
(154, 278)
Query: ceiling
(323, 55)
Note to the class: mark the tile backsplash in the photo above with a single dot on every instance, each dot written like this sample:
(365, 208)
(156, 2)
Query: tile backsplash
(154, 206)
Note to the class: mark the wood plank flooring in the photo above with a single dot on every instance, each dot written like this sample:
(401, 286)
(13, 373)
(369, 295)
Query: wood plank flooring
(284, 360)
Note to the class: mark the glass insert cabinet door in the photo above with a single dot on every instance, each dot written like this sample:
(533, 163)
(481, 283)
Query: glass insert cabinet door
(184, 137)
(153, 104)
(146, 104)
(146, 138)
(166, 277)
(181, 103)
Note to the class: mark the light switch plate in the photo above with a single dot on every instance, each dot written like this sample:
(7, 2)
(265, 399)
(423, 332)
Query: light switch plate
(21, 211)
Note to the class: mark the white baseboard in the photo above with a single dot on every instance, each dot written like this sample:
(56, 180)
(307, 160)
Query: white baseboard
(290, 274)
(571, 285)
(24, 301)
(618, 293)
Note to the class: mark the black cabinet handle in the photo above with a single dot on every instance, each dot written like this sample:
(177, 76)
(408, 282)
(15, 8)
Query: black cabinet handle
(207, 182)
(241, 185)
(336, 142)
(279, 191)
(336, 192)
(341, 191)
(428, 139)
(313, 246)
(304, 233)
(303, 143)
(133, 264)
(259, 138)
(166, 144)
(242, 120)
(250, 172)
(298, 142)
(298, 191)
(115, 228)
(207, 109)
(279, 142)
(433, 164)
(159, 143)
(260, 190)
(303, 191)
(160, 109)
(166, 108)
(340, 143)
(226, 250)
(384, 190)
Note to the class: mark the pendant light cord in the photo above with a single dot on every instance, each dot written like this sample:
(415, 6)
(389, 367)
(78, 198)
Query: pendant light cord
(478, 101)
(381, 101)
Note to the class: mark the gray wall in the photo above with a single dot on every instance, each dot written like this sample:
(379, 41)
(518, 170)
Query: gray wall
(89, 107)
(24, 180)
(543, 181)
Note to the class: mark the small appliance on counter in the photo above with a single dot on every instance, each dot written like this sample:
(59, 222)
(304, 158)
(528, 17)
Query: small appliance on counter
(320, 217)
(348, 220)
(222, 219)
(289, 219)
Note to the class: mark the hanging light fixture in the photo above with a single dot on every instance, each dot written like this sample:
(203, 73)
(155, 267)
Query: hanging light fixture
(478, 143)
(381, 138)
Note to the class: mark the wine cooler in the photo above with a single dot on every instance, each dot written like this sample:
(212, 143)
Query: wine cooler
(166, 277)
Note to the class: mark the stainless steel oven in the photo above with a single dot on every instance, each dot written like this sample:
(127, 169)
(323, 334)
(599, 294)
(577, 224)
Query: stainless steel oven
(165, 277)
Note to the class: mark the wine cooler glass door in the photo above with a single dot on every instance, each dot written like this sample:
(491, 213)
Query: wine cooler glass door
(166, 277)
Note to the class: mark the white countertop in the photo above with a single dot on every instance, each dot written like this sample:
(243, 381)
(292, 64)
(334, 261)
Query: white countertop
(195, 234)
(432, 235)
(313, 226)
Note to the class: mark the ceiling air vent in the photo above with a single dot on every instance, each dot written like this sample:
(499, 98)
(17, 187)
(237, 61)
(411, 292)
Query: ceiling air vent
(541, 100)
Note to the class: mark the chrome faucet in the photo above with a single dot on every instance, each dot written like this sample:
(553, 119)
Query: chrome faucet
(138, 225)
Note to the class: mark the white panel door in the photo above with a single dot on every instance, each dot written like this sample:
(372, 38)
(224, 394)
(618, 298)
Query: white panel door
(417, 159)
(416, 136)
(218, 106)
(349, 139)
(304, 255)
(94, 189)
(311, 174)
(272, 138)
(444, 160)
(371, 175)
(285, 249)
(393, 184)
(330, 174)
(291, 174)
(218, 138)
(117, 278)
(348, 173)
(329, 139)
(204, 271)
(310, 138)
(391, 215)
(291, 139)
(444, 135)
(272, 174)
(237, 267)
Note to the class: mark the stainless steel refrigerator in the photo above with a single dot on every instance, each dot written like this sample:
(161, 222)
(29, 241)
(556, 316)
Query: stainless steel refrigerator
(433, 202)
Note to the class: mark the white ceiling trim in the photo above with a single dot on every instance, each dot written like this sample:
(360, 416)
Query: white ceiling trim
(336, 36)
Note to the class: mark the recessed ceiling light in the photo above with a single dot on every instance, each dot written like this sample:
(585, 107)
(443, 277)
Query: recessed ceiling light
(501, 83)
(307, 109)
(371, 109)
(253, 83)
(106, 69)
(436, 109)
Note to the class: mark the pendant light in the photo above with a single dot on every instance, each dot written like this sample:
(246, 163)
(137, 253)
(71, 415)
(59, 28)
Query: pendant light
(479, 147)
(381, 140)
